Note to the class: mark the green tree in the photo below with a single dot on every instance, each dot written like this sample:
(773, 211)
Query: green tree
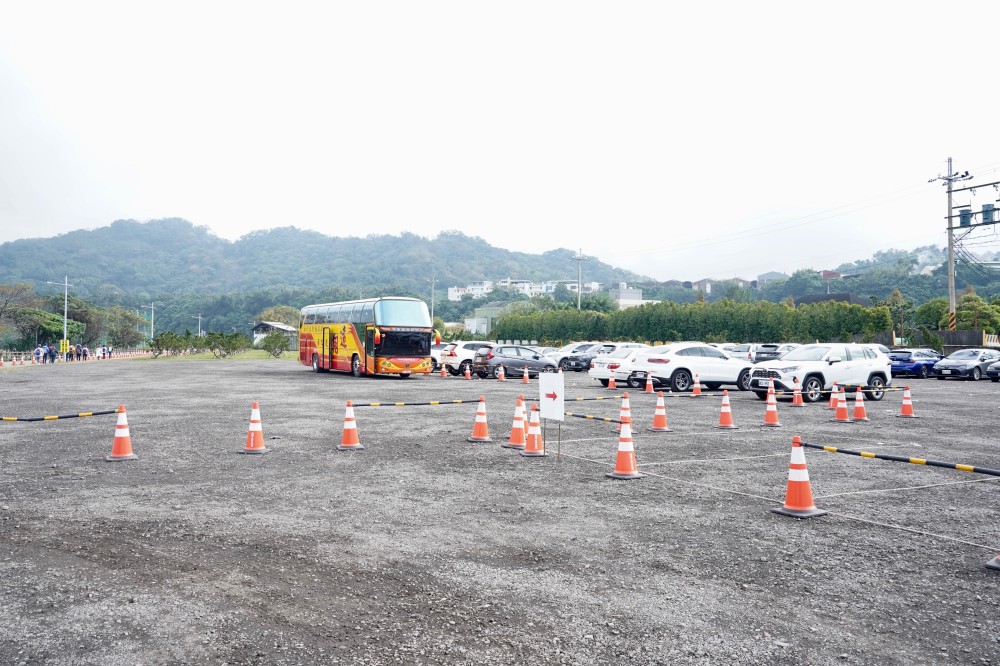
(931, 313)
(124, 327)
(274, 343)
(974, 313)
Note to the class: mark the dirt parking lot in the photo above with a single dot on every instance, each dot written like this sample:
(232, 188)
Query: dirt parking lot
(424, 548)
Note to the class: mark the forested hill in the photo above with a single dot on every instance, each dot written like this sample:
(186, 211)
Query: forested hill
(174, 256)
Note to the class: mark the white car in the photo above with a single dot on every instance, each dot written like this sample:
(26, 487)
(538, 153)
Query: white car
(458, 355)
(676, 365)
(615, 364)
(818, 366)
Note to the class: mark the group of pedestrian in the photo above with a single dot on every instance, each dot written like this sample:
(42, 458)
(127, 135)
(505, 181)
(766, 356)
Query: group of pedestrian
(47, 353)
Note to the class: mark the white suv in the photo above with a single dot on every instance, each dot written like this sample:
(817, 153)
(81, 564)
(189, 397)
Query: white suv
(818, 366)
(459, 354)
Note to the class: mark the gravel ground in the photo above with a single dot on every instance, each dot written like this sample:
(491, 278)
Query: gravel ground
(424, 548)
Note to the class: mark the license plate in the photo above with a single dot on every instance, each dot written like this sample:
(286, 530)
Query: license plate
(946, 372)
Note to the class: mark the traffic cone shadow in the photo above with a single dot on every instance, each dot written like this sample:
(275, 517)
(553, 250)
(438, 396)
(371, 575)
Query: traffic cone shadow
(349, 441)
(121, 447)
(798, 495)
(480, 429)
(255, 434)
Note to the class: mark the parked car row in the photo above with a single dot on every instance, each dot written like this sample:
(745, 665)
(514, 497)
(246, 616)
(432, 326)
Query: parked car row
(677, 365)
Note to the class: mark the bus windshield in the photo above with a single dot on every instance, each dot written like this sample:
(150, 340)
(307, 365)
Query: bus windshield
(402, 313)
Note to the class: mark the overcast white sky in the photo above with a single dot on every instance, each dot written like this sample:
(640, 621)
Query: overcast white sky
(678, 140)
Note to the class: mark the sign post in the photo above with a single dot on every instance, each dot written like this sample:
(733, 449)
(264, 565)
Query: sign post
(551, 398)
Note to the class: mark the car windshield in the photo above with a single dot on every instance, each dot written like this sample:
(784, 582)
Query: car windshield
(964, 354)
(900, 356)
(621, 353)
(806, 354)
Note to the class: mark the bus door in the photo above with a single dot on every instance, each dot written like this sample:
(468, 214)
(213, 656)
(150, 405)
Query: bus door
(326, 349)
(369, 351)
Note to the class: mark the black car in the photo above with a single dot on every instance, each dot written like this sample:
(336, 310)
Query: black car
(580, 359)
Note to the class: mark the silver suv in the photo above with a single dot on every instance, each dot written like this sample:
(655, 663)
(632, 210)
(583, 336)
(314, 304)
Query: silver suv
(818, 366)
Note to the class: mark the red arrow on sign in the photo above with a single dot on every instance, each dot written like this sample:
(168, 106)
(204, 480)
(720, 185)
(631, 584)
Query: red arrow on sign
(551, 396)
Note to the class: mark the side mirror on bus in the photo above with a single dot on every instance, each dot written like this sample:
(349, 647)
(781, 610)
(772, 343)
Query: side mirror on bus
(378, 337)
(437, 337)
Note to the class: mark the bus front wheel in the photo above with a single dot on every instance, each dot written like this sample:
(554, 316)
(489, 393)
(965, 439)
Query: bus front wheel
(356, 366)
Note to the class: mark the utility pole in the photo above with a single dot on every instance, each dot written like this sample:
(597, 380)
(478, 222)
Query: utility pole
(949, 180)
(579, 277)
(199, 324)
(64, 343)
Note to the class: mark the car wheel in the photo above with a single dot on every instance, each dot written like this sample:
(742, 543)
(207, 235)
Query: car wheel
(634, 382)
(743, 381)
(812, 389)
(976, 374)
(761, 394)
(562, 364)
(356, 365)
(316, 367)
(876, 388)
(924, 372)
(604, 382)
(681, 381)
(494, 372)
(454, 372)
(463, 366)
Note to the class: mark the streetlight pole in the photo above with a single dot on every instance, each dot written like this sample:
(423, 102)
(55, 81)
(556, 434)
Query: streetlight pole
(152, 319)
(66, 285)
(432, 299)
(199, 324)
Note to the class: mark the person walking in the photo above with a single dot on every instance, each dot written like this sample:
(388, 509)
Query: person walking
(70, 352)
(86, 352)
(52, 353)
(38, 354)
(104, 351)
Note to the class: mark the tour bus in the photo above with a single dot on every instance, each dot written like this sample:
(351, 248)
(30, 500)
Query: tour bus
(370, 336)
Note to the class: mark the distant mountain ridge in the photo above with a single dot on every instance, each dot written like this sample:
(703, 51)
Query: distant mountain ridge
(174, 256)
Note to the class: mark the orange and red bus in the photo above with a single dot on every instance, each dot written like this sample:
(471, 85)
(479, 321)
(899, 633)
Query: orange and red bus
(369, 336)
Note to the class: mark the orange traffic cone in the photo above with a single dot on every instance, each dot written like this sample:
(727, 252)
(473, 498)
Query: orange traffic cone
(612, 384)
(907, 409)
(834, 397)
(501, 375)
(349, 441)
(517, 433)
(860, 414)
(625, 465)
(649, 383)
(534, 447)
(121, 447)
(255, 434)
(444, 373)
(659, 415)
(625, 414)
(480, 430)
(726, 414)
(771, 414)
(524, 377)
(841, 415)
(468, 371)
(797, 395)
(798, 496)
(696, 391)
